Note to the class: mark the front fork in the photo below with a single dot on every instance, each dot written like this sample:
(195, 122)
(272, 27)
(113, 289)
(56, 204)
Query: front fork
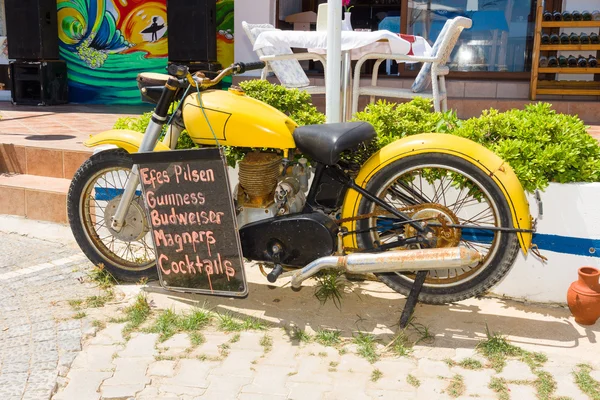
(151, 136)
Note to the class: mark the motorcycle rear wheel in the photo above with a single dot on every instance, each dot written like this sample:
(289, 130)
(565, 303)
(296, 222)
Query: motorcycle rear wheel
(448, 187)
(93, 196)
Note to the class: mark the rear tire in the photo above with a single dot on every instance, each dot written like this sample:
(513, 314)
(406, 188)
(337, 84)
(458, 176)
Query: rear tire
(501, 254)
(86, 228)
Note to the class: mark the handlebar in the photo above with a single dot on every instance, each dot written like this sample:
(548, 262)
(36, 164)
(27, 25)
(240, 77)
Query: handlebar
(182, 73)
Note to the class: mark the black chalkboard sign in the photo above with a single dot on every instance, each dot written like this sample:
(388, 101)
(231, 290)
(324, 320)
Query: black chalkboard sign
(190, 210)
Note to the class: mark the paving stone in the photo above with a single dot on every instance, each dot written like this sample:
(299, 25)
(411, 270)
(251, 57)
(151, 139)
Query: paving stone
(380, 394)
(43, 325)
(83, 385)
(66, 358)
(238, 363)
(15, 367)
(517, 370)
(42, 380)
(249, 341)
(181, 391)
(225, 387)
(129, 371)
(312, 369)
(432, 369)
(152, 393)
(394, 375)
(142, 345)
(354, 363)
(44, 356)
(255, 396)
(44, 366)
(176, 346)
(192, 373)
(522, 392)
(43, 336)
(308, 391)
(70, 325)
(432, 388)
(164, 368)
(18, 331)
(37, 395)
(595, 374)
(112, 334)
(12, 384)
(120, 392)
(269, 379)
(96, 358)
(348, 385)
(282, 354)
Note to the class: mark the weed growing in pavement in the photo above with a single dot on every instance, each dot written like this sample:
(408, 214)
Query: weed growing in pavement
(300, 335)
(333, 366)
(499, 386)
(102, 277)
(79, 315)
(400, 344)
(496, 349)
(376, 375)
(75, 303)
(196, 338)
(330, 286)
(470, 363)
(366, 346)
(586, 383)
(98, 324)
(228, 323)
(267, 343)
(196, 319)
(456, 388)
(328, 338)
(99, 301)
(545, 385)
(136, 314)
(224, 349)
(166, 325)
(235, 338)
(413, 381)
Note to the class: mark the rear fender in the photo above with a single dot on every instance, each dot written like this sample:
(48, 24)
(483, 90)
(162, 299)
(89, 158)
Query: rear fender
(468, 150)
(123, 138)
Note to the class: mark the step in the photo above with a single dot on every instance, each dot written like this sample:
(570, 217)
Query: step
(41, 161)
(34, 197)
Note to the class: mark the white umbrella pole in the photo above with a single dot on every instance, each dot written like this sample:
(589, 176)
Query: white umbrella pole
(334, 61)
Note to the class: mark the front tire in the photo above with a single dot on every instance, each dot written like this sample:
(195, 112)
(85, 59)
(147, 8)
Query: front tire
(444, 186)
(93, 196)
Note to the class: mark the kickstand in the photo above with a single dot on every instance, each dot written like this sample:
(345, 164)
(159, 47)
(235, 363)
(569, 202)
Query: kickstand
(412, 299)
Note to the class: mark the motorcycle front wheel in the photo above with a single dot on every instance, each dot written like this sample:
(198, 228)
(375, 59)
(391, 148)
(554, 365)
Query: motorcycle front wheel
(94, 195)
(442, 188)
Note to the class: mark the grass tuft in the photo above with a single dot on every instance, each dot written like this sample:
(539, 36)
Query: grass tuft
(330, 286)
(456, 388)
(102, 277)
(376, 375)
(366, 346)
(267, 343)
(136, 314)
(499, 386)
(300, 335)
(196, 338)
(496, 349)
(470, 363)
(413, 381)
(328, 338)
(166, 325)
(80, 315)
(586, 383)
(227, 323)
(98, 324)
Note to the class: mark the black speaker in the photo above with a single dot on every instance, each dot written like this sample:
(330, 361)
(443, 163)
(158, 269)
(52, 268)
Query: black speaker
(192, 30)
(32, 28)
(41, 83)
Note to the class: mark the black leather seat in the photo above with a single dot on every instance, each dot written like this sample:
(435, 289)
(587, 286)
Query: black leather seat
(325, 143)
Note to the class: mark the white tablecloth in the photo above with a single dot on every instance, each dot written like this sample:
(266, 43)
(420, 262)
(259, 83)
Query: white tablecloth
(360, 43)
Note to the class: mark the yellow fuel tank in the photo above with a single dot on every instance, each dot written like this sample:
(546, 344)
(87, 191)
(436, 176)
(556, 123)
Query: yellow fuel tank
(237, 120)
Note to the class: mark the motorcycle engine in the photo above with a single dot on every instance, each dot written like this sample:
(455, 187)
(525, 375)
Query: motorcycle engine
(264, 193)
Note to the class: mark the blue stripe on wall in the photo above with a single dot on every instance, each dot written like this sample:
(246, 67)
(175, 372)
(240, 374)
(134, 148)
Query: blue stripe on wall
(568, 245)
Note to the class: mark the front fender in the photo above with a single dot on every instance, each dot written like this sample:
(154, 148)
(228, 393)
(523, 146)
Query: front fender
(126, 139)
(466, 149)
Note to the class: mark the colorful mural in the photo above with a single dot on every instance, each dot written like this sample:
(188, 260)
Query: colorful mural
(106, 43)
(225, 32)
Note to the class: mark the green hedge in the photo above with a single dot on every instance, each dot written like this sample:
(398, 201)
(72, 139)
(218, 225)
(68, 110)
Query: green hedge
(540, 144)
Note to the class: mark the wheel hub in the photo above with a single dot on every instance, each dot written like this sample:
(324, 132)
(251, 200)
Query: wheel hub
(445, 236)
(135, 226)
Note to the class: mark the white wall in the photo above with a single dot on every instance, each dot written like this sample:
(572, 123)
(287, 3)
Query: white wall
(571, 211)
(253, 12)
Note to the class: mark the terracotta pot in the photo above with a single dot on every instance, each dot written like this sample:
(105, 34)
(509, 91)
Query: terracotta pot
(583, 296)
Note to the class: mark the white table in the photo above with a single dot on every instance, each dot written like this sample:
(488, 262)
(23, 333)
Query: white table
(354, 45)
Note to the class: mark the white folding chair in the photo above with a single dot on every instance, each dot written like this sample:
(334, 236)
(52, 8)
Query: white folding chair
(433, 72)
(284, 62)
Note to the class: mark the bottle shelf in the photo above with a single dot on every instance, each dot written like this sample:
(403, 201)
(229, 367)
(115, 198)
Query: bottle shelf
(570, 24)
(568, 70)
(580, 47)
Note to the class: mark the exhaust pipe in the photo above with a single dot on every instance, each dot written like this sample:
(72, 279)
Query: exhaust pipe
(391, 261)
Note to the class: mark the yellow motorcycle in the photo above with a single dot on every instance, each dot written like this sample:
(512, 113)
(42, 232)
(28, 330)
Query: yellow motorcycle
(431, 202)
